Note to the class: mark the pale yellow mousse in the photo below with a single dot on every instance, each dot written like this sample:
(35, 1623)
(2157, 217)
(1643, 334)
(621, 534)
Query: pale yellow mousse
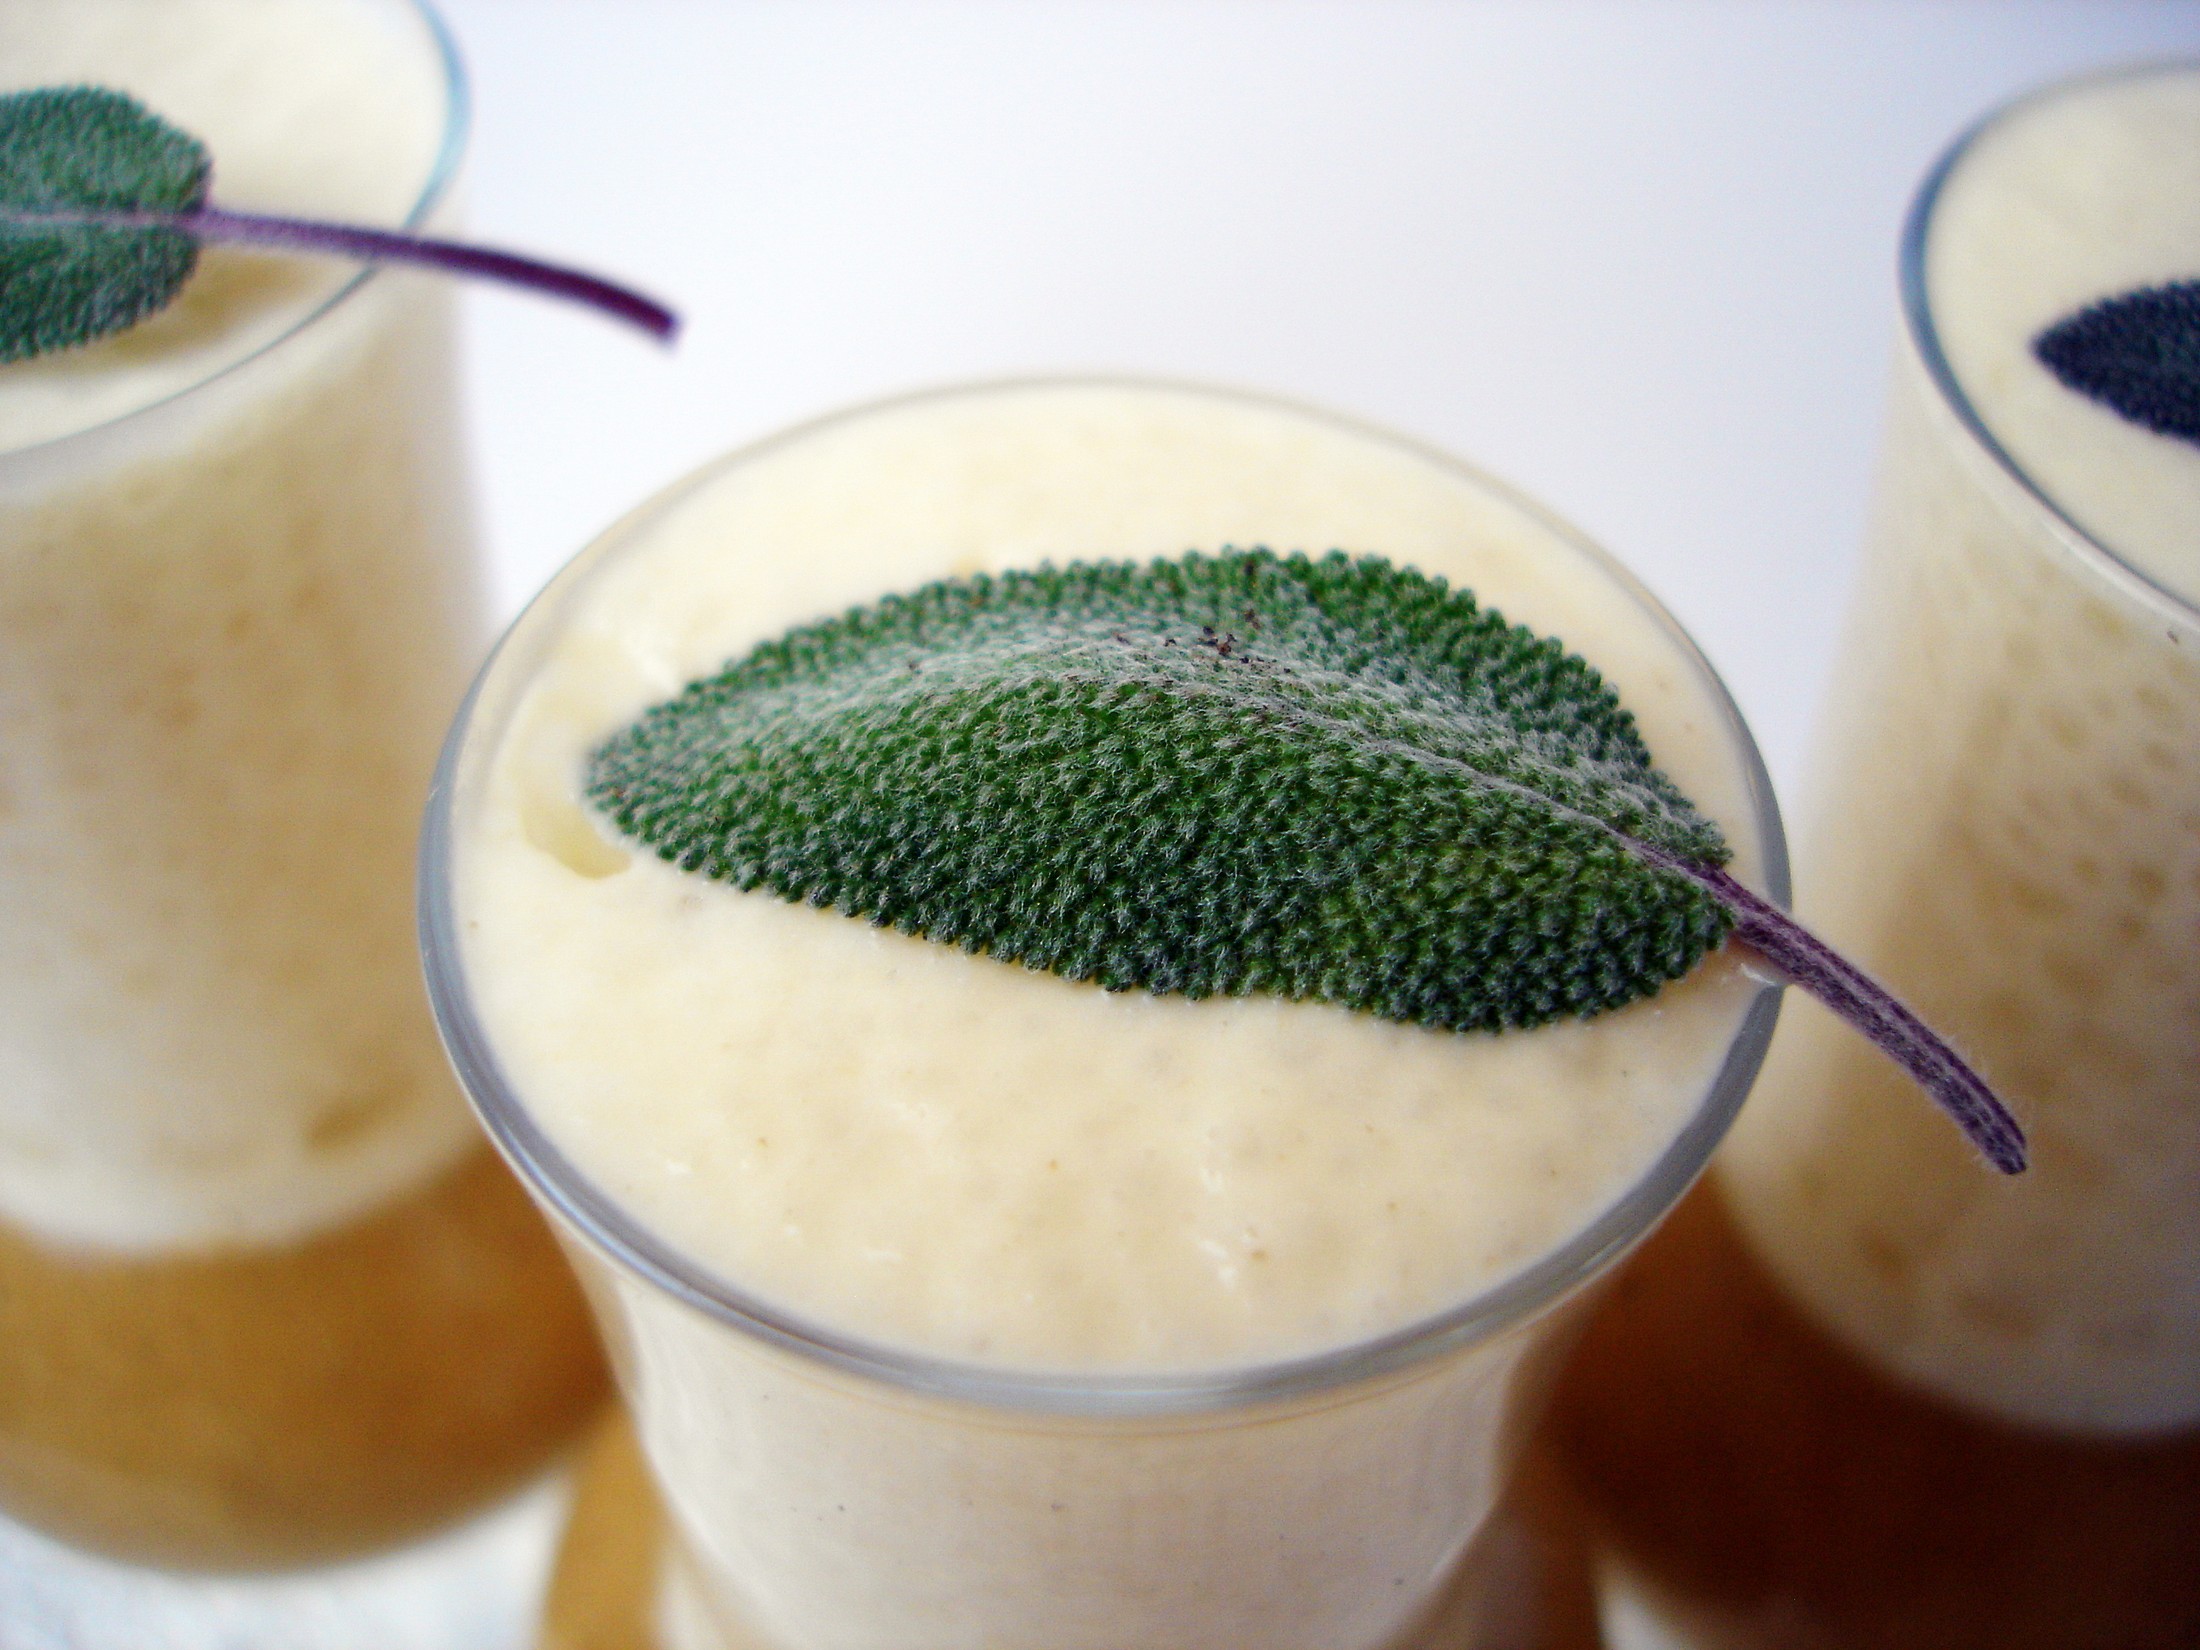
(944, 1152)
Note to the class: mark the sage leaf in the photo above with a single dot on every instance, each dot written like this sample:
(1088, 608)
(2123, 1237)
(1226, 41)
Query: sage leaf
(2138, 354)
(1334, 780)
(103, 209)
(77, 165)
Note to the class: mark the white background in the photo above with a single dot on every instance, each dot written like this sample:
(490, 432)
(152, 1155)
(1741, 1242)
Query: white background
(1635, 256)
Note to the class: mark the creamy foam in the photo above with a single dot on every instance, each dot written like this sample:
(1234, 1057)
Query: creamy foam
(2007, 826)
(230, 629)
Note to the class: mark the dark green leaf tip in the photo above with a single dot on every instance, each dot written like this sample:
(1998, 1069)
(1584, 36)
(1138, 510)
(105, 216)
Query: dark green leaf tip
(81, 149)
(1328, 779)
(2138, 354)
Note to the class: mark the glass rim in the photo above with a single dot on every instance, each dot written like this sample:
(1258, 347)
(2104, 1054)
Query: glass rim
(636, 1250)
(442, 172)
(1924, 336)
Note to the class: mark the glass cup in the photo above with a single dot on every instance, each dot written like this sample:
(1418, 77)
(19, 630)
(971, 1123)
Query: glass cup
(265, 1295)
(2005, 826)
(827, 1480)
(1861, 1390)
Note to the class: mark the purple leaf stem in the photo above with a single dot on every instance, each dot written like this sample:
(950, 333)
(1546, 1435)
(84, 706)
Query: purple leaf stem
(383, 246)
(1866, 1004)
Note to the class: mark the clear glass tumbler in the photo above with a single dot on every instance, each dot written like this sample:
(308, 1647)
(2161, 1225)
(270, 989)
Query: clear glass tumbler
(1860, 1390)
(830, 1482)
(2004, 818)
(266, 1296)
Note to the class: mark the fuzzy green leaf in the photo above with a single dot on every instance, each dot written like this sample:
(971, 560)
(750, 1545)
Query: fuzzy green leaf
(2138, 354)
(1332, 779)
(80, 149)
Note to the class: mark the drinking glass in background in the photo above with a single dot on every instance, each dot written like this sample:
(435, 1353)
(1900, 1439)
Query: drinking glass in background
(865, 1248)
(266, 1297)
(1863, 1391)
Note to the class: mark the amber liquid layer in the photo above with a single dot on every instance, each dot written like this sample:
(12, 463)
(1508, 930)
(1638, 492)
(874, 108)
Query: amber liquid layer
(278, 1407)
(1773, 1493)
